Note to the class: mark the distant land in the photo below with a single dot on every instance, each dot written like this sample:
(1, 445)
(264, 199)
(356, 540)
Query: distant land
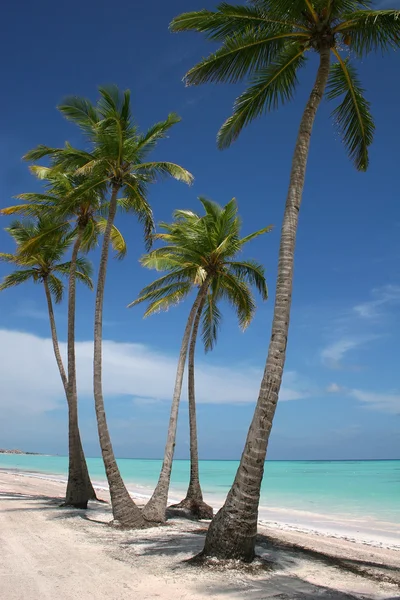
(3, 451)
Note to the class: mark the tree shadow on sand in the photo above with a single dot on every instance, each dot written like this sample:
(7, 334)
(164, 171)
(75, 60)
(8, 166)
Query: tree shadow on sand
(52, 505)
(281, 587)
(270, 578)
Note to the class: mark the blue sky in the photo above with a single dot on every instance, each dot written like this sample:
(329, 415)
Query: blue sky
(341, 392)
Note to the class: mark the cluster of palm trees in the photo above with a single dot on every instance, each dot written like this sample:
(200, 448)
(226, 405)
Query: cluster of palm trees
(266, 41)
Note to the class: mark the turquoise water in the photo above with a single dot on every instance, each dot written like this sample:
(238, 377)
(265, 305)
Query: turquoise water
(370, 489)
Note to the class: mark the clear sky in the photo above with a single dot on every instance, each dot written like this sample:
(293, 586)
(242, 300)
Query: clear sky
(341, 391)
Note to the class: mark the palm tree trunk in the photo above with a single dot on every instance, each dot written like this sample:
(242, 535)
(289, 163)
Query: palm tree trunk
(156, 506)
(54, 337)
(78, 450)
(194, 497)
(233, 531)
(125, 511)
(79, 486)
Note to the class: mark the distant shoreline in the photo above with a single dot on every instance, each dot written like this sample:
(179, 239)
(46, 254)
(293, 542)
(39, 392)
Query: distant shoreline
(16, 451)
(237, 460)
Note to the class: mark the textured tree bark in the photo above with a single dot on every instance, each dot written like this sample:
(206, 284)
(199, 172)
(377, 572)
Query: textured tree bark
(125, 511)
(79, 486)
(233, 531)
(156, 506)
(193, 501)
(74, 497)
(54, 337)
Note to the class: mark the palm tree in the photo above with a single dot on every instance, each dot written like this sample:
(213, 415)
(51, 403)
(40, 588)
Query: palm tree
(199, 252)
(269, 41)
(43, 266)
(115, 162)
(84, 212)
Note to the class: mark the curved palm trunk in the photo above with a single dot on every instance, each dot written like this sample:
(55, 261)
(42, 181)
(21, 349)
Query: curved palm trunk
(79, 486)
(125, 511)
(54, 337)
(156, 506)
(194, 497)
(233, 531)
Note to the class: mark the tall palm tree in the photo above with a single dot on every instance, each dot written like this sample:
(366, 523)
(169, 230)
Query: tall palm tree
(200, 252)
(269, 41)
(43, 266)
(114, 162)
(84, 213)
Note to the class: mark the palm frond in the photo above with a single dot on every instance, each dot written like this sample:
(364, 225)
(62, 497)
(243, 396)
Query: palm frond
(114, 103)
(252, 272)
(148, 141)
(82, 264)
(240, 55)
(8, 258)
(40, 172)
(177, 275)
(81, 111)
(229, 20)
(56, 288)
(18, 277)
(163, 297)
(212, 319)
(49, 233)
(256, 234)
(117, 239)
(371, 30)
(238, 294)
(352, 116)
(161, 260)
(162, 169)
(40, 152)
(83, 278)
(269, 88)
(166, 302)
(140, 206)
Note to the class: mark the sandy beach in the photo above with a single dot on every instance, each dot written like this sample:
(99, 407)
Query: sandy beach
(51, 552)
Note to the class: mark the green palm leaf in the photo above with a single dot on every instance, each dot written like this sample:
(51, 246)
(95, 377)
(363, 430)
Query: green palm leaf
(203, 248)
(371, 30)
(162, 169)
(17, 278)
(353, 115)
(271, 87)
(241, 54)
(148, 141)
(117, 239)
(238, 294)
(81, 112)
(212, 319)
(230, 20)
(56, 288)
(84, 270)
(252, 272)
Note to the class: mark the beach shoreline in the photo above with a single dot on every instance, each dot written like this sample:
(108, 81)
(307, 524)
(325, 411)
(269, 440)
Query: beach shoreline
(367, 532)
(48, 552)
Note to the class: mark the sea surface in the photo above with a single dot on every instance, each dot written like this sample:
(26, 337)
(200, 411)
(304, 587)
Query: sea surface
(363, 493)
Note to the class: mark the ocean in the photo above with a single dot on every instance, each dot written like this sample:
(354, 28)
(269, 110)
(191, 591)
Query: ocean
(340, 496)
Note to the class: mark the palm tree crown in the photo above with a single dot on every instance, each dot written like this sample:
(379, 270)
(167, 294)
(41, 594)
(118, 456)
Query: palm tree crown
(270, 40)
(116, 157)
(201, 249)
(59, 202)
(45, 263)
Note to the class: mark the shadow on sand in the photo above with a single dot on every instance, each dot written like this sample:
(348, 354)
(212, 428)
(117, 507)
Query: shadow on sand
(269, 579)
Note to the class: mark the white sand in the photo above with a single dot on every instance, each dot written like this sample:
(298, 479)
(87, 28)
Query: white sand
(53, 553)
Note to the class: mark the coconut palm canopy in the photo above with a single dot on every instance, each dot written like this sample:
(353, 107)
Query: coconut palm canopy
(60, 204)
(116, 157)
(204, 248)
(46, 263)
(269, 41)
